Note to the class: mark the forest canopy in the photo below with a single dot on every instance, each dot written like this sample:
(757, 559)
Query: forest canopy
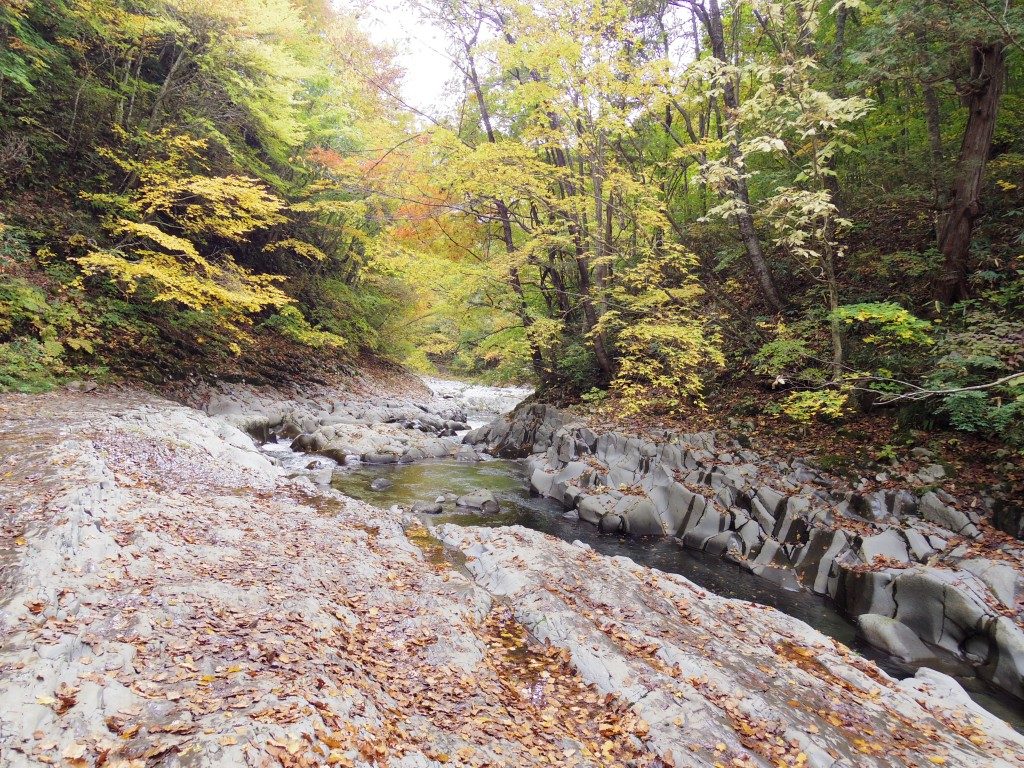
(639, 203)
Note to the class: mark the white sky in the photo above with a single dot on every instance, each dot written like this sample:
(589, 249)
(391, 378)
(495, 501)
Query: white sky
(420, 49)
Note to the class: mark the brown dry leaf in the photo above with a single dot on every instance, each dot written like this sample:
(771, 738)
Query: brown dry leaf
(67, 697)
(73, 751)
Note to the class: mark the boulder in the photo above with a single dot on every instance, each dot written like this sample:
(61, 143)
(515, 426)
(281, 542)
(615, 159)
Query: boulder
(888, 544)
(379, 458)
(466, 454)
(1006, 669)
(427, 507)
(1004, 581)
(935, 511)
(381, 484)
(931, 474)
(482, 500)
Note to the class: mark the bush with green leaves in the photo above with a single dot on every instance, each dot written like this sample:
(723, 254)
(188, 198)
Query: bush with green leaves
(290, 323)
(985, 345)
(39, 337)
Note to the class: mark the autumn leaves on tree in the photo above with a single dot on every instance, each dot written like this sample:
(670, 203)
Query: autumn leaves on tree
(645, 202)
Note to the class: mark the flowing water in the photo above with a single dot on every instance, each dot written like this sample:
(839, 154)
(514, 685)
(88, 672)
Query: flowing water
(507, 480)
(429, 480)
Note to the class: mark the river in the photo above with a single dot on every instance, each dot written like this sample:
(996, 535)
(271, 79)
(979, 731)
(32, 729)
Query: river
(507, 480)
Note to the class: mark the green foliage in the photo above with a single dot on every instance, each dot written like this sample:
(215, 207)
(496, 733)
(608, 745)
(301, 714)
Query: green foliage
(985, 344)
(27, 365)
(981, 413)
(40, 338)
(577, 365)
(784, 354)
(887, 453)
(892, 323)
(290, 323)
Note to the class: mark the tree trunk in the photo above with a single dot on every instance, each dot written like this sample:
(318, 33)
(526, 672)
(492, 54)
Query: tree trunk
(712, 19)
(590, 317)
(988, 76)
(835, 327)
(505, 218)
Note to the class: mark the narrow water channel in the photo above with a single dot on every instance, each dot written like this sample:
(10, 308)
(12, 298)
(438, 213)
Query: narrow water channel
(429, 480)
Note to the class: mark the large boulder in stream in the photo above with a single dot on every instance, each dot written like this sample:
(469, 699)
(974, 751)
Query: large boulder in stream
(481, 500)
(528, 428)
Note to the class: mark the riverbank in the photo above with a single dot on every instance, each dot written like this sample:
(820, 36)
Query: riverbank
(173, 597)
(925, 574)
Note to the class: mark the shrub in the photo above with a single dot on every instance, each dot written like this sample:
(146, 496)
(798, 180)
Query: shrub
(290, 323)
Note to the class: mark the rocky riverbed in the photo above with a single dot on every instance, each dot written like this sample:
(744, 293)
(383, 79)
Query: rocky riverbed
(924, 573)
(173, 597)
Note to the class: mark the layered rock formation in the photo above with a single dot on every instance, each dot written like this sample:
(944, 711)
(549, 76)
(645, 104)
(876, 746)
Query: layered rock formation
(721, 682)
(920, 561)
(341, 426)
(172, 598)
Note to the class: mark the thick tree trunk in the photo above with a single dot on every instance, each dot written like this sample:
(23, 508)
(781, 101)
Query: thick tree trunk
(988, 76)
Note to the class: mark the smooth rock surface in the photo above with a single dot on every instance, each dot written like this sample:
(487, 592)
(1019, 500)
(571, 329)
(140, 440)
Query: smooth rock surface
(703, 670)
(788, 523)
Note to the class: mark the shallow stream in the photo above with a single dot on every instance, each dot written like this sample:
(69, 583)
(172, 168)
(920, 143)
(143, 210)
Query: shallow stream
(428, 480)
(507, 480)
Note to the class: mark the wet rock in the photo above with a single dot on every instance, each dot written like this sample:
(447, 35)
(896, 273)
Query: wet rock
(894, 638)
(930, 474)
(379, 458)
(789, 532)
(428, 507)
(467, 454)
(935, 511)
(482, 500)
(529, 428)
(381, 484)
(1007, 668)
(889, 544)
(553, 587)
(321, 476)
(1004, 581)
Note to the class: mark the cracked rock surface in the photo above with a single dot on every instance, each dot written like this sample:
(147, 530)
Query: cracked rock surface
(173, 598)
(720, 681)
(939, 569)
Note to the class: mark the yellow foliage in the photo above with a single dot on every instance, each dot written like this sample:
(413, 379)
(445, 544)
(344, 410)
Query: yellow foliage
(197, 285)
(299, 247)
(666, 349)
